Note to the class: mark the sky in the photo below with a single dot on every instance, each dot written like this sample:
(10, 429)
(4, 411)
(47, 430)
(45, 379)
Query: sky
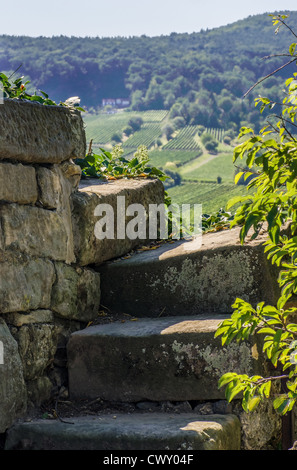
(109, 18)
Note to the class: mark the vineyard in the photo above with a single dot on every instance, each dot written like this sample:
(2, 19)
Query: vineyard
(218, 134)
(153, 115)
(212, 196)
(185, 140)
(183, 153)
(161, 158)
(101, 127)
(220, 165)
(147, 135)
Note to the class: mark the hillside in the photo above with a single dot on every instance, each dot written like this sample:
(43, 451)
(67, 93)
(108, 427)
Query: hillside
(196, 175)
(199, 78)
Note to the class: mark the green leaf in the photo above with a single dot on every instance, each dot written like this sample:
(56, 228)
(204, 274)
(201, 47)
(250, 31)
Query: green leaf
(253, 402)
(266, 388)
(44, 94)
(292, 48)
(274, 232)
(238, 176)
(226, 378)
(271, 215)
(235, 390)
(233, 201)
(283, 404)
(267, 330)
(134, 162)
(37, 98)
(90, 159)
(251, 220)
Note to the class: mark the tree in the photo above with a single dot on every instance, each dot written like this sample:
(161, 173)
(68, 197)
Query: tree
(273, 155)
(168, 130)
(135, 123)
(116, 137)
(128, 130)
(212, 146)
(136, 100)
(160, 71)
(209, 142)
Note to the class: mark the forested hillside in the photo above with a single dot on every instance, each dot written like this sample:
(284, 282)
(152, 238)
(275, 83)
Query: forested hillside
(200, 77)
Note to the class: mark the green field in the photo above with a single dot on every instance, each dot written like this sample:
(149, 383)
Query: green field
(147, 135)
(162, 157)
(184, 140)
(101, 127)
(184, 154)
(217, 133)
(212, 196)
(213, 167)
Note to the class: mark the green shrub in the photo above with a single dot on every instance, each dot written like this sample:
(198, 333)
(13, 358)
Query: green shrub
(273, 153)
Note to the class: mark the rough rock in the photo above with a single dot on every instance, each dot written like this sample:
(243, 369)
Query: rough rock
(36, 316)
(172, 280)
(50, 188)
(52, 182)
(35, 133)
(174, 358)
(56, 184)
(26, 283)
(129, 432)
(76, 293)
(37, 346)
(13, 395)
(18, 183)
(34, 231)
(261, 427)
(39, 391)
(89, 249)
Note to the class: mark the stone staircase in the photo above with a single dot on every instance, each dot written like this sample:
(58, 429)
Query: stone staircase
(159, 358)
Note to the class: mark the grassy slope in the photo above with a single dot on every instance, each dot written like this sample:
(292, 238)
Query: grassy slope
(214, 166)
(212, 196)
(199, 173)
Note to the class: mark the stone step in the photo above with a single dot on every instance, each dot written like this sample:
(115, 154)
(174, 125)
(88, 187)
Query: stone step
(97, 198)
(176, 279)
(157, 359)
(142, 431)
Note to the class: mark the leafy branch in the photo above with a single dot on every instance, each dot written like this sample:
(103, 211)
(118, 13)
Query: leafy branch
(278, 21)
(273, 202)
(16, 89)
(113, 165)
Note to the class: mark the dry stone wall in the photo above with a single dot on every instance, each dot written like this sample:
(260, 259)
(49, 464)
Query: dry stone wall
(48, 288)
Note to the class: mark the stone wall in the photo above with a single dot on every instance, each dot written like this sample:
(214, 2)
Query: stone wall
(48, 288)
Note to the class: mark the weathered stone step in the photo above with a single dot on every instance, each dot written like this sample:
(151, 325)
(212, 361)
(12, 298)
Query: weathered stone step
(93, 199)
(173, 280)
(173, 358)
(151, 431)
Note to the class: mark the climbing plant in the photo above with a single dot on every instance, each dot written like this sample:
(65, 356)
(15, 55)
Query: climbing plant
(17, 89)
(271, 156)
(113, 165)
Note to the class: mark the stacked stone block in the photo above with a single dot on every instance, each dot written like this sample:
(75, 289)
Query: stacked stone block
(39, 278)
(48, 285)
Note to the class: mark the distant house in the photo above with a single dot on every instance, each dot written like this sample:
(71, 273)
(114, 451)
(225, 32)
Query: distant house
(116, 102)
